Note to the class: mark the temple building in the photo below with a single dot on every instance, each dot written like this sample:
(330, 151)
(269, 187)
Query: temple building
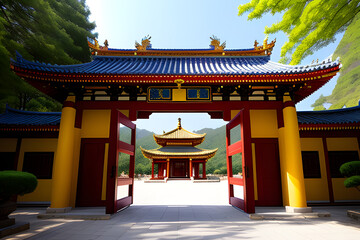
(178, 157)
(280, 157)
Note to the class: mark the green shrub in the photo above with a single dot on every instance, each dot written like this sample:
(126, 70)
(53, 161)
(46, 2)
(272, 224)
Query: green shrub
(16, 183)
(350, 169)
(353, 181)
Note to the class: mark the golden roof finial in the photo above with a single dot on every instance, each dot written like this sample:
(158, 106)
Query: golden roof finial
(265, 41)
(179, 123)
(179, 82)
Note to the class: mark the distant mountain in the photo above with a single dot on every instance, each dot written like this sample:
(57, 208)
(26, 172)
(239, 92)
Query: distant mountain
(140, 133)
(347, 89)
(215, 138)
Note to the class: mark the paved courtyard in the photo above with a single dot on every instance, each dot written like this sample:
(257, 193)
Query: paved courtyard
(185, 210)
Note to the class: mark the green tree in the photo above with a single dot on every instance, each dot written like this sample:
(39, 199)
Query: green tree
(347, 90)
(309, 25)
(351, 170)
(49, 31)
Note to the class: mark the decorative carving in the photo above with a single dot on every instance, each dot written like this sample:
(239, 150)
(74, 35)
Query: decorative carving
(145, 44)
(179, 82)
(265, 44)
(215, 43)
(256, 45)
(266, 47)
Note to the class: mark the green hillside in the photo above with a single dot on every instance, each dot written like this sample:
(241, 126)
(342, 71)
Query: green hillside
(347, 89)
(215, 138)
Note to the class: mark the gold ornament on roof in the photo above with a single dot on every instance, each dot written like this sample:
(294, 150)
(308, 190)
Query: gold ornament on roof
(265, 42)
(215, 42)
(256, 47)
(179, 82)
(145, 43)
(266, 47)
(106, 44)
(179, 123)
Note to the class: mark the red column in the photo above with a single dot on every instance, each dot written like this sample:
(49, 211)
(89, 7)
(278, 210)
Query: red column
(167, 168)
(152, 170)
(196, 168)
(204, 169)
(190, 163)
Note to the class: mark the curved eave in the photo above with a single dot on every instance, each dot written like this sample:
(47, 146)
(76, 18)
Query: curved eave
(189, 79)
(330, 127)
(28, 128)
(154, 153)
(167, 137)
(164, 141)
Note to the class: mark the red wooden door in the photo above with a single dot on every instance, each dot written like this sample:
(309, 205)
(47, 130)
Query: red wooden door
(114, 178)
(90, 176)
(246, 201)
(178, 169)
(268, 172)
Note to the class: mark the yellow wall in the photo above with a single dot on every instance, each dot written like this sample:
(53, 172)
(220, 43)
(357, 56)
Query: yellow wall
(340, 191)
(95, 124)
(342, 144)
(264, 124)
(316, 188)
(42, 192)
(8, 144)
(234, 113)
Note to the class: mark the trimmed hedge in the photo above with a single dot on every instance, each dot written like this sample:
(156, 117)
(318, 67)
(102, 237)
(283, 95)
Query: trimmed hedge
(350, 169)
(16, 183)
(353, 181)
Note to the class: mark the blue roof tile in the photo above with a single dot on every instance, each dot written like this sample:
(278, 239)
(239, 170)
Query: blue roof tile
(188, 65)
(19, 117)
(338, 116)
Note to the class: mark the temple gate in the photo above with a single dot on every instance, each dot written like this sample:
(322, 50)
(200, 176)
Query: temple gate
(122, 85)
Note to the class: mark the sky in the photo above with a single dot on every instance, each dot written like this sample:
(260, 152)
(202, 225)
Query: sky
(190, 24)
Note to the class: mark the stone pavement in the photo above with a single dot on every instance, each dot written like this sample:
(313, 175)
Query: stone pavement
(189, 221)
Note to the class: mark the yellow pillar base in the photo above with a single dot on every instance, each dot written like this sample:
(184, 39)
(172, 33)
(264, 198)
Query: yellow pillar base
(298, 209)
(58, 210)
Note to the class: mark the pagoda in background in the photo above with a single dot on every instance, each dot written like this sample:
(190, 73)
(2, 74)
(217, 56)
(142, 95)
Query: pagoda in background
(178, 157)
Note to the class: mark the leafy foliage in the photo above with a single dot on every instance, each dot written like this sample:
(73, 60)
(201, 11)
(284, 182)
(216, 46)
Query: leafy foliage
(351, 170)
(309, 25)
(347, 90)
(15, 182)
(353, 181)
(49, 31)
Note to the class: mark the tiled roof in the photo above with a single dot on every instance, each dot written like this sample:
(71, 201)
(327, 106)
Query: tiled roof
(180, 133)
(338, 116)
(178, 151)
(19, 117)
(182, 65)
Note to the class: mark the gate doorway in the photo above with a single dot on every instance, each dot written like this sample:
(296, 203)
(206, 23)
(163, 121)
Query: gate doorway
(247, 182)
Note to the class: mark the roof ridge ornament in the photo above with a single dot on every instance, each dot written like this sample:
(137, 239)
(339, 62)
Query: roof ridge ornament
(179, 123)
(267, 47)
(215, 44)
(145, 43)
(179, 82)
